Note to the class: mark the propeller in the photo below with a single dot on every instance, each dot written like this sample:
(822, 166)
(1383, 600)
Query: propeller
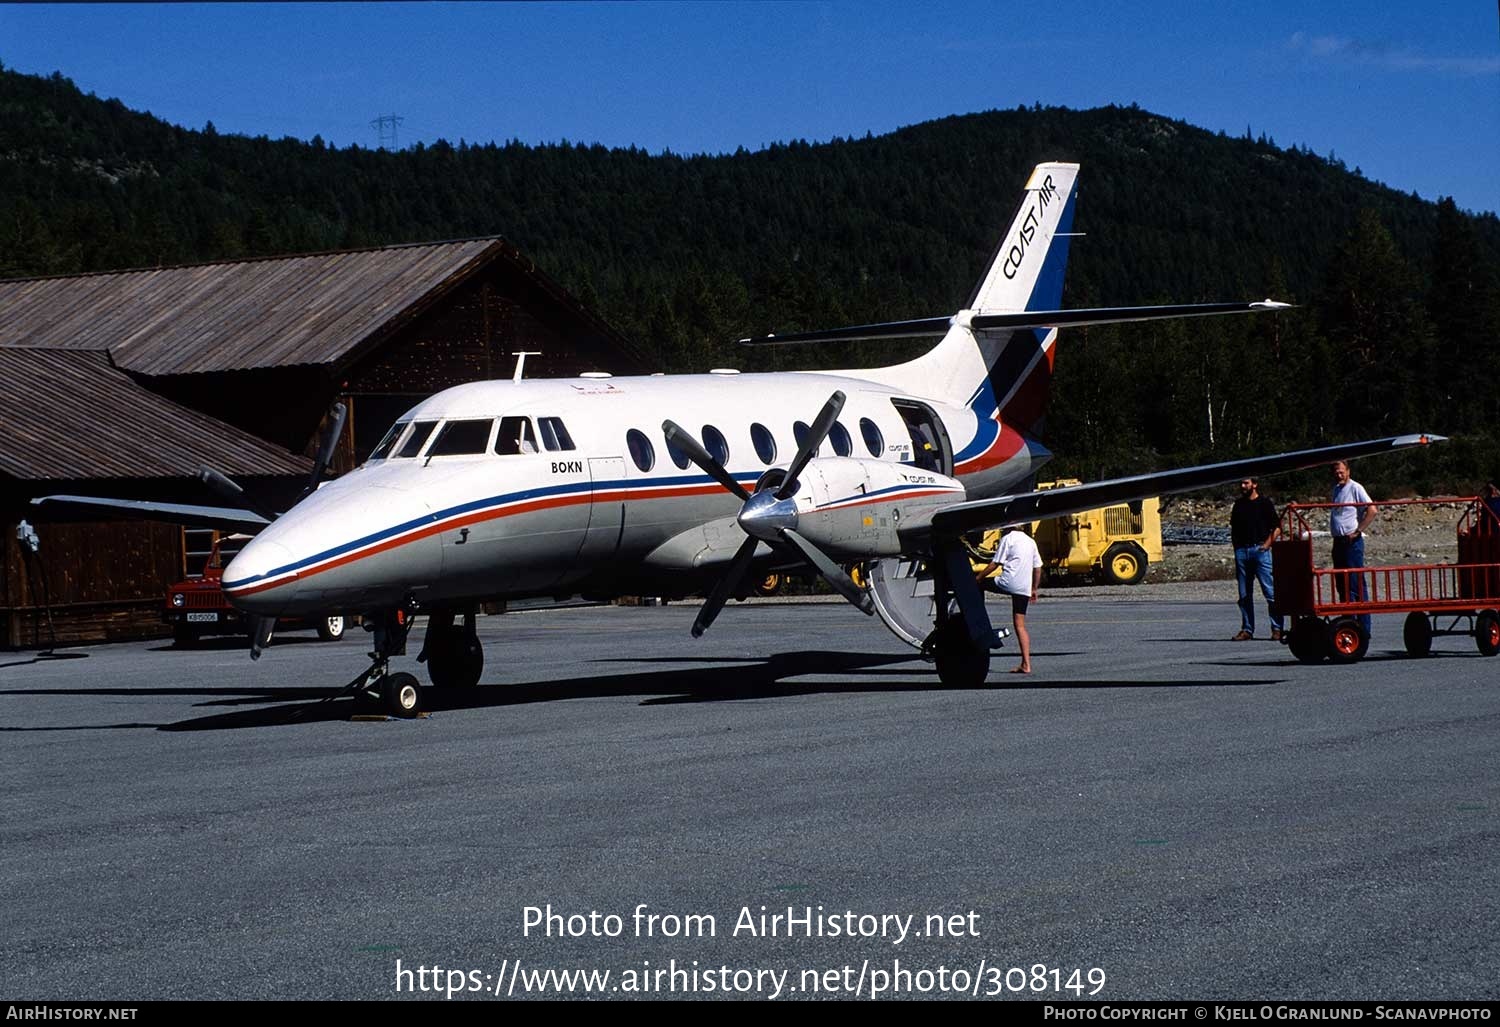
(769, 515)
(325, 451)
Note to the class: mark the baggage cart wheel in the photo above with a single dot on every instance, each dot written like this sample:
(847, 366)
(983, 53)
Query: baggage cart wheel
(1487, 632)
(1347, 641)
(1417, 633)
(1308, 640)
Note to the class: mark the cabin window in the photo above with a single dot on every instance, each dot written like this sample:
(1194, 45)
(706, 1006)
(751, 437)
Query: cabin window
(555, 434)
(417, 439)
(800, 431)
(462, 438)
(641, 450)
(839, 436)
(515, 437)
(765, 443)
(383, 450)
(713, 441)
(874, 441)
(678, 456)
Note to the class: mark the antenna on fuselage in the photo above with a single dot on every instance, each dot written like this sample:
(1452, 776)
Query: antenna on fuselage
(521, 356)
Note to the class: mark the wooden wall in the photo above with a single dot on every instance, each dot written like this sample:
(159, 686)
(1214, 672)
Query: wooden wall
(105, 582)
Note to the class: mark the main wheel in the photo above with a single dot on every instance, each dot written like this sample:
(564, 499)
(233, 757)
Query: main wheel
(331, 629)
(1417, 633)
(1487, 633)
(1124, 563)
(401, 694)
(455, 659)
(1308, 640)
(960, 663)
(1347, 640)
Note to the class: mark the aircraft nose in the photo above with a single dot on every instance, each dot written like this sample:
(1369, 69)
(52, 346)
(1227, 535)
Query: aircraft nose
(260, 579)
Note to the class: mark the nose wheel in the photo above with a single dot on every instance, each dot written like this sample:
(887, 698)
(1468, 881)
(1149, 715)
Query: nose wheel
(398, 694)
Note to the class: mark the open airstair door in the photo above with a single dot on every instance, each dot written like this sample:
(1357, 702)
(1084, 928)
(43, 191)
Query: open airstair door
(931, 448)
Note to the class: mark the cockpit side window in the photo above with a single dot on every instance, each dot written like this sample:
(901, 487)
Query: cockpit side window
(383, 450)
(515, 436)
(417, 439)
(555, 434)
(462, 438)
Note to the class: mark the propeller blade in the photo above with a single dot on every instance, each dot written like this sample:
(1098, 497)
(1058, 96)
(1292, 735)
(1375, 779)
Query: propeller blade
(815, 436)
(232, 492)
(325, 451)
(831, 572)
(260, 634)
(726, 585)
(700, 456)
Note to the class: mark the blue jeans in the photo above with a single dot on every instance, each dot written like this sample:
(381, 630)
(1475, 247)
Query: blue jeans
(1250, 563)
(1350, 552)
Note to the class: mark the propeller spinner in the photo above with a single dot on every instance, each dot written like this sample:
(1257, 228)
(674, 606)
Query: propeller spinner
(769, 515)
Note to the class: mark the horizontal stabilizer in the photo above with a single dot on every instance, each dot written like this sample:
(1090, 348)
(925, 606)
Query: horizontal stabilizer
(926, 327)
(227, 518)
(1027, 506)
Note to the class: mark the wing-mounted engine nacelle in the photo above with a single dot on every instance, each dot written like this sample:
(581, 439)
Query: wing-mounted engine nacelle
(852, 508)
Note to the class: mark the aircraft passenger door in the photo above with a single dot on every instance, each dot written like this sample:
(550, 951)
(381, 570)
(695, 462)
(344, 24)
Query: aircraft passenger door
(606, 509)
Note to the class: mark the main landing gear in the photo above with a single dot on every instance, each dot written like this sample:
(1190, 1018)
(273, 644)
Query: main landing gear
(963, 636)
(452, 652)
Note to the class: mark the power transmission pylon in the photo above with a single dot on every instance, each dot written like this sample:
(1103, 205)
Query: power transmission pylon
(385, 125)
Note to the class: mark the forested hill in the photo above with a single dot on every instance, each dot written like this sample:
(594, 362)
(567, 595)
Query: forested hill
(1401, 305)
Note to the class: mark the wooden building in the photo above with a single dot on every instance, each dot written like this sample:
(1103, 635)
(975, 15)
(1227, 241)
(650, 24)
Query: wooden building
(124, 383)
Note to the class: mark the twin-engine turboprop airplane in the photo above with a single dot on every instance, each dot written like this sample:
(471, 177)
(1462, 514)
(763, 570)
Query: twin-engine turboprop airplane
(676, 485)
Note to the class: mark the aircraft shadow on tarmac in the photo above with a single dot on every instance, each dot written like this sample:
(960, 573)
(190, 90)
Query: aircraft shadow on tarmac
(725, 679)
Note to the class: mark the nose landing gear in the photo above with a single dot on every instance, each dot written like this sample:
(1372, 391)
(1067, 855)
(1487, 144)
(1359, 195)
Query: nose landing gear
(400, 694)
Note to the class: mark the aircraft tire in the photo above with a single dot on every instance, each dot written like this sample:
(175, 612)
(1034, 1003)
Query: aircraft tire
(960, 663)
(455, 660)
(402, 695)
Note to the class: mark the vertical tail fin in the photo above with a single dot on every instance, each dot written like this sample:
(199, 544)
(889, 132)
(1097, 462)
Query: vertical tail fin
(1026, 269)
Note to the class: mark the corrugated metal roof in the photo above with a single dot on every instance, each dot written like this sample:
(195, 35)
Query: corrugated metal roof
(72, 415)
(272, 312)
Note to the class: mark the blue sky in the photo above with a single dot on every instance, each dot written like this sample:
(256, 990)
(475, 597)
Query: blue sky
(1409, 93)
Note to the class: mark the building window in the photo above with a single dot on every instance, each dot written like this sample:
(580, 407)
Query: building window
(641, 450)
(555, 434)
(515, 436)
(765, 443)
(874, 441)
(462, 438)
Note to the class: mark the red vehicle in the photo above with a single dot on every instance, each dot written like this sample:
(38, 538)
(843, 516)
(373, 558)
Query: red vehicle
(196, 607)
(1438, 599)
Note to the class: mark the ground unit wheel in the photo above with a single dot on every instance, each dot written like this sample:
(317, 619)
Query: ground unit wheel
(1417, 633)
(1308, 640)
(1347, 640)
(1487, 632)
(1124, 563)
(331, 629)
(401, 694)
(769, 585)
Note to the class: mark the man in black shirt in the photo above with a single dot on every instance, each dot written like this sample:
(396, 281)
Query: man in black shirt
(1253, 525)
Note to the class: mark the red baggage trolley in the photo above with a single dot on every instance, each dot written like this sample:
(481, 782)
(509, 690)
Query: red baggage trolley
(1322, 606)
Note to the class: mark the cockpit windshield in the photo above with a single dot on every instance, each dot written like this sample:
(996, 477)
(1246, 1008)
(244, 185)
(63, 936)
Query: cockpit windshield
(383, 450)
(417, 439)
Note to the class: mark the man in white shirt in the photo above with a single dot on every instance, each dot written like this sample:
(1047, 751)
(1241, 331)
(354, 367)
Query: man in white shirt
(1347, 525)
(1020, 567)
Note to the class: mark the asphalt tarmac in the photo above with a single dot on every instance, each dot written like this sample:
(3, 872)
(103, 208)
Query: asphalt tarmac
(1175, 814)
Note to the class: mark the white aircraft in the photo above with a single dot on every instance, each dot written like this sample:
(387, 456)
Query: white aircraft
(673, 485)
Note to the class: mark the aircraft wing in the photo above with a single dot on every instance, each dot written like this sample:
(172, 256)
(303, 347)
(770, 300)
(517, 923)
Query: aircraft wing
(226, 518)
(1028, 506)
